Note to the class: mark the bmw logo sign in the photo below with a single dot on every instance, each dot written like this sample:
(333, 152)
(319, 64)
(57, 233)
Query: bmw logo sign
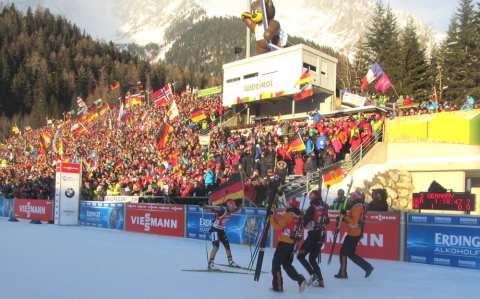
(69, 192)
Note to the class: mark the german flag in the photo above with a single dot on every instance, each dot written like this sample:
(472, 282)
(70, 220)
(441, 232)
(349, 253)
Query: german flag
(91, 116)
(114, 85)
(231, 189)
(332, 174)
(103, 109)
(305, 78)
(296, 144)
(197, 116)
(128, 102)
(137, 100)
(162, 135)
(118, 165)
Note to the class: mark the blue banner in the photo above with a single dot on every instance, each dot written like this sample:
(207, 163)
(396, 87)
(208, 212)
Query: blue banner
(463, 220)
(444, 240)
(244, 227)
(6, 207)
(102, 215)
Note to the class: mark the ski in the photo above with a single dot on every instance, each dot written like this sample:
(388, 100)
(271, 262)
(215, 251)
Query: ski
(272, 198)
(297, 235)
(238, 267)
(337, 227)
(216, 271)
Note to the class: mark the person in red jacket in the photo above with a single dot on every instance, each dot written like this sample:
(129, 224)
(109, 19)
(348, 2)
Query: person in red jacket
(250, 192)
(217, 231)
(283, 255)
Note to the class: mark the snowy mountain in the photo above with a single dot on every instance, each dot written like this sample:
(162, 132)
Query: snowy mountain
(334, 23)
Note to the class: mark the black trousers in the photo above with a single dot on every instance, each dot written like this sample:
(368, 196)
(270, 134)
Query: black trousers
(348, 249)
(283, 256)
(311, 247)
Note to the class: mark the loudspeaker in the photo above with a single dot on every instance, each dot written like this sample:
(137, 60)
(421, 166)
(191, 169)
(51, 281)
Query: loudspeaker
(436, 187)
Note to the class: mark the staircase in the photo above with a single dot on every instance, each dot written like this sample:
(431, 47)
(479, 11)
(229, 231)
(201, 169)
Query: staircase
(225, 117)
(297, 185)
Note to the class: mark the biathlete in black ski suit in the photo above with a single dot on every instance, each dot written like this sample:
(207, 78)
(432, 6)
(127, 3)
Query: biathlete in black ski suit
(217, 231)
(315, 238)
(283, 255)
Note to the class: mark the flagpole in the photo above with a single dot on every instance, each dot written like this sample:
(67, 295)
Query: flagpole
(395, 91)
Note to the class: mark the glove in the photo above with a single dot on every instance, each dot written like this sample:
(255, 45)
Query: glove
(202, 204)
(338, 219)
(343, 212)
(269, 212)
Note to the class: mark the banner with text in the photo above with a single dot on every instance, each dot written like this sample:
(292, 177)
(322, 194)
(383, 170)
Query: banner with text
(102, 214)
(6, 207)
(380, 238)
(444, 240)
(156, 219)
(33, 209)
(244, 227)
(353, 100)
(68, 178)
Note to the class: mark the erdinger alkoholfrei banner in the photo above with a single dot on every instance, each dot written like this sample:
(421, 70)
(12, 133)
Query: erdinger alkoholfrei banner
(157, 219)
(445, 240)
(33, 209)
(68, 180)
(6, 207)
(244, 227)
(102, 214)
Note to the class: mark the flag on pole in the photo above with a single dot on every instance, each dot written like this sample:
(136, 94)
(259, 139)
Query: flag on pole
(435, 95)
(104, 109)
(15, 129)
(173, 111)
(332, 174)
(373, 73)
(28, 129)
(296, 144)
(162, 135)
(305, 78)
(118, 165)
(231, 189)
(383, 83)
(305, 92)
(197, 116)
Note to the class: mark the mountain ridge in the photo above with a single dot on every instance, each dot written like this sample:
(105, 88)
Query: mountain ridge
(337, 23)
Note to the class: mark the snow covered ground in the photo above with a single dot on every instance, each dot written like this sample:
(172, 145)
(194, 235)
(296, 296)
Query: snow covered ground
(58, 262)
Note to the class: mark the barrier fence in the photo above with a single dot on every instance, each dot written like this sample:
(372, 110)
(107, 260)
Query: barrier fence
(438, 239)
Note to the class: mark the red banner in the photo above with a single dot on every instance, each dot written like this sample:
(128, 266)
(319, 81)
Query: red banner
(33, 209)
(156, 219)
(380, 239)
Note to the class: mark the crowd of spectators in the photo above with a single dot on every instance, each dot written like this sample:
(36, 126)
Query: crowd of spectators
(407, 105)
(123, 157)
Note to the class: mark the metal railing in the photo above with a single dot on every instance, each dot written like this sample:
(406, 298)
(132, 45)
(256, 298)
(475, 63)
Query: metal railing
(229, 114)
(304, 184)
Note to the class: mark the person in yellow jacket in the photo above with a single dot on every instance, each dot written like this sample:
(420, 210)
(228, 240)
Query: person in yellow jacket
(283, 255)
(354, 233)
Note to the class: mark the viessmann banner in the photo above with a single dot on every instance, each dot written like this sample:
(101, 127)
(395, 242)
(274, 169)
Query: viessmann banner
(33, 209)
(380, 238)
(155, 219)
(444, 240)
(244, 227)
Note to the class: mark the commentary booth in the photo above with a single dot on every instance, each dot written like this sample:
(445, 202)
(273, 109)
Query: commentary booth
(268, 82)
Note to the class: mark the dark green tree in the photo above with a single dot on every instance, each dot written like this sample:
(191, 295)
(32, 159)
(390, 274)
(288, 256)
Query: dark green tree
(459, 61)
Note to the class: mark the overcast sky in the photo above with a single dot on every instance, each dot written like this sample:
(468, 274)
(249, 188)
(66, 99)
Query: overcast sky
(435, 13)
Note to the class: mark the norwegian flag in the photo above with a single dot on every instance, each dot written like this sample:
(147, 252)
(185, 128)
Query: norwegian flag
(162, 96)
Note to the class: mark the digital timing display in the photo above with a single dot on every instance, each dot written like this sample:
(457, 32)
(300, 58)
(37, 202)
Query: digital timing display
(453, 201)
